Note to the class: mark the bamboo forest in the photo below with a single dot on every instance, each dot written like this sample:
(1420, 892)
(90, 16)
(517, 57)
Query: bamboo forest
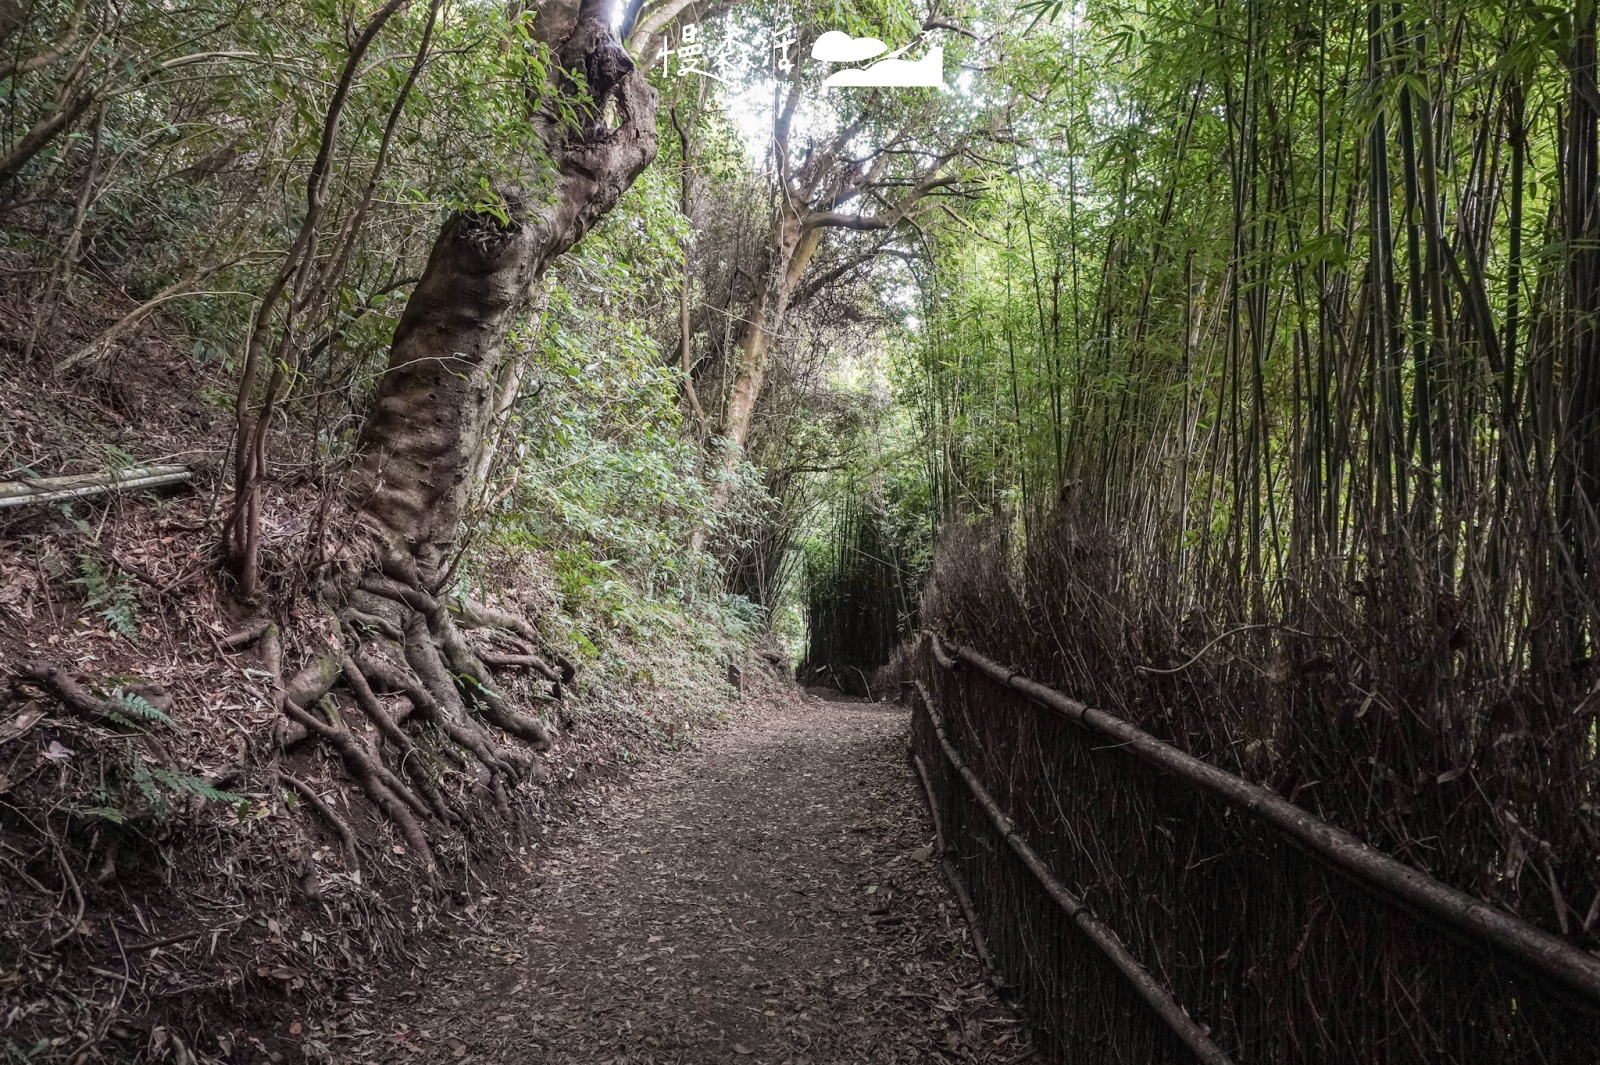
(800, 532)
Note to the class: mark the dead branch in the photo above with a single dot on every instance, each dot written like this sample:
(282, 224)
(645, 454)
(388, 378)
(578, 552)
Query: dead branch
(69, 693)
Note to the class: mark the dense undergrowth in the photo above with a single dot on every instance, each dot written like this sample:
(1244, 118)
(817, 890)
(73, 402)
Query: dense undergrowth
(176, 885)
(1254, 401)
(173, 820)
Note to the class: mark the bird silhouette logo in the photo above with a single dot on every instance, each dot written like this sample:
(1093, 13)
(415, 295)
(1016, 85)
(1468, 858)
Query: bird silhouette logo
(889, 72)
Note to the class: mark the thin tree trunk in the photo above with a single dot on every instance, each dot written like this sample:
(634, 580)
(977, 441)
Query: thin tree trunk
(686, 285)
(794, 248)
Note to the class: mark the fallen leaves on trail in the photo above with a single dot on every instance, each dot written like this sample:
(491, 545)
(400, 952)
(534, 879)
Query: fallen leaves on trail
(768, 899)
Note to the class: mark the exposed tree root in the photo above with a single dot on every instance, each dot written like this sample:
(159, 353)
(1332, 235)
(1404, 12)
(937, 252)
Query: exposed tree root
(246, 634)
(72, 695)
(411, 760)
(347, 838)
(478, 616)
(305, 688)
(381, 786)
(382, 626)
(387, 677)
(469, 666)
(498, 660)
(270, 651)
(398, 639)
(389, 588)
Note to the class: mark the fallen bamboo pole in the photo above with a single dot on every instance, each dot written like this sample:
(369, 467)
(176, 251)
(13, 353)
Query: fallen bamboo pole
(1571, 966)
(80, 486)
(1165, 1006)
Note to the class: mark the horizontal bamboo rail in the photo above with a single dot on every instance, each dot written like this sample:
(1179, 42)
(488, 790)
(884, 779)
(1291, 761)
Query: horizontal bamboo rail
(79, 486)
(1103, 938)
(1570, 966)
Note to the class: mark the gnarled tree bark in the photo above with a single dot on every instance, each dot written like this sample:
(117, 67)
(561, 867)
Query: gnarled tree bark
(424, 444)
(417, 449)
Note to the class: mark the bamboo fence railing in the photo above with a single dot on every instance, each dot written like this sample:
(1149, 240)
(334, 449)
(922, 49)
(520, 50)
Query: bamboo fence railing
(1551, 968)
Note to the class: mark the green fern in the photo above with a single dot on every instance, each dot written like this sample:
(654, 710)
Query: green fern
(153, 784)
(111, 595)
(474, 686)
(194, 786)
(126, 708)
(16, 1052)
(145, 784)
(102, 813)
(117, 458)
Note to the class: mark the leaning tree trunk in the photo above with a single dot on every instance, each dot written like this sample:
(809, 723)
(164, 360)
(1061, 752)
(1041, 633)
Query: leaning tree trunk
(422, 446)
(792, 249)
(811, 199)
(418, 448)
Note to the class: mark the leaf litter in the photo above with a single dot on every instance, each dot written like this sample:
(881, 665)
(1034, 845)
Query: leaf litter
(765, 899)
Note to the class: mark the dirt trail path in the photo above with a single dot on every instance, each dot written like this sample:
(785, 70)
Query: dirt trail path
(767, 898)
